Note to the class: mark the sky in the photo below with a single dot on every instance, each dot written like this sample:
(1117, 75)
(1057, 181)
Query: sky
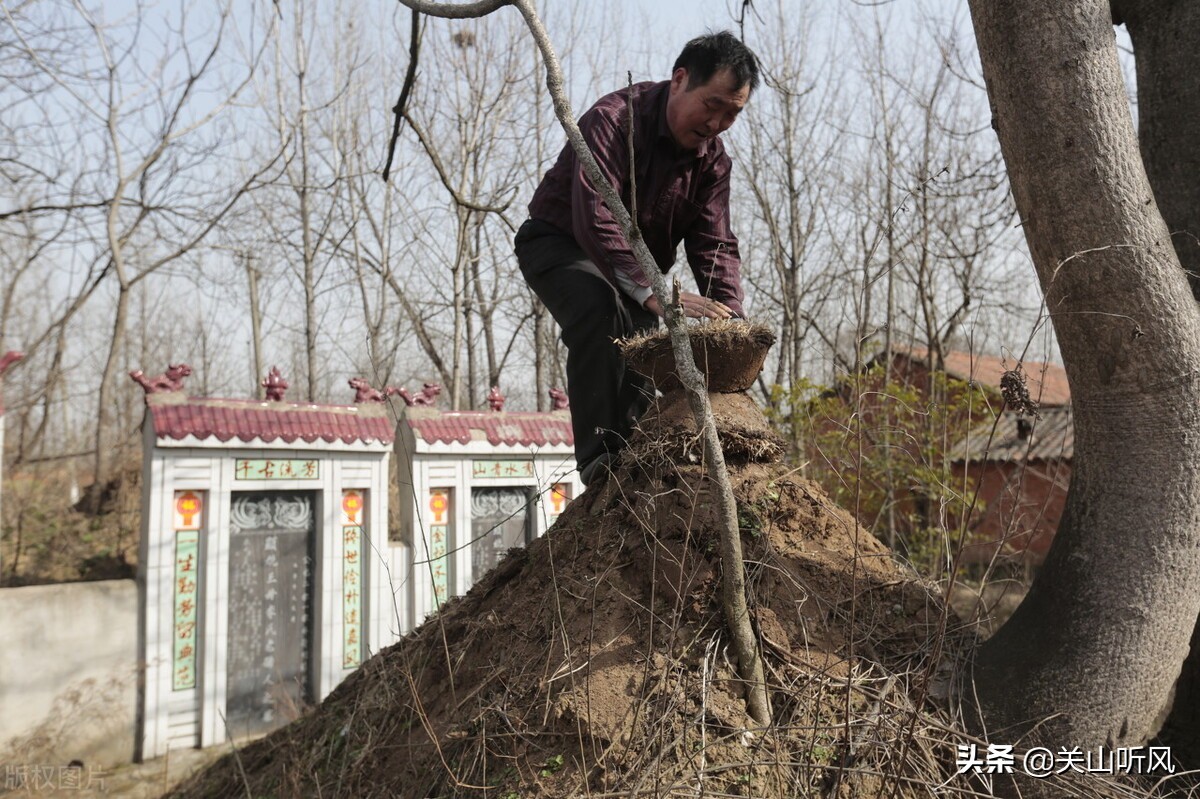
(680, 20)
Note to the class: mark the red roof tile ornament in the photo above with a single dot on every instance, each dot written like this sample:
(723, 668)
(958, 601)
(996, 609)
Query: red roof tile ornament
(364, 393)
(168, 382)
(559, 399)
(253, 421)
(495, 399)
(423, 398)
(10, 357)
(275, 385)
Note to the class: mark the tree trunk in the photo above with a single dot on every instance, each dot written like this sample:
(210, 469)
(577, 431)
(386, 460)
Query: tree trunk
(459, 283)
(305, 191)
(1181, 730)
(102, 459)
(1101, 635)
(1166, 43)
(540, 355)
(310, 280)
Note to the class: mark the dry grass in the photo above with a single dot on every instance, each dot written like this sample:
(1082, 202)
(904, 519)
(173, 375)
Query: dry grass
(45, 540)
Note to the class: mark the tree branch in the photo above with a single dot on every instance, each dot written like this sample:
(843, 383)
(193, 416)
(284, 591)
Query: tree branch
(480, 8)
(733, 572)
(454, 193)
(399, 110)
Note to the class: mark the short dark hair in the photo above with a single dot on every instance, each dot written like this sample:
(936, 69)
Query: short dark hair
(706, 55)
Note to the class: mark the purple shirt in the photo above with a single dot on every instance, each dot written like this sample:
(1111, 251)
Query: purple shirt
(682, 195)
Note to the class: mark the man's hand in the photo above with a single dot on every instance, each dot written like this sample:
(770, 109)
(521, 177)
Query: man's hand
(694, 306)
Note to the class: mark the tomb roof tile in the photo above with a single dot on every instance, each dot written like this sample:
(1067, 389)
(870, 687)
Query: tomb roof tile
(511, 429)
(251, 420)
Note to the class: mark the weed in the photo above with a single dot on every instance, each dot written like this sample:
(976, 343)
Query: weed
(552, 766)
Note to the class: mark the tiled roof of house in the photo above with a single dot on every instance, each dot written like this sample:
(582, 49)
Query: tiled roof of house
(512, 429)
(1047, 382)
(176, 416)
(1050, 437)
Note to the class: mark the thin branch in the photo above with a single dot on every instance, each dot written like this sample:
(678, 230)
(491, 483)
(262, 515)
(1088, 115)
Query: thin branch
(733, 572)
(480, 8)
(42, 209)
(633, 211)
(213, 221)
(733, 586)
(410, 77)
(454, 193)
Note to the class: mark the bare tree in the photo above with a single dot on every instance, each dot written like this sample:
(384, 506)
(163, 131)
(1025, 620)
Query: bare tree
(139, 201)
(256, 341)
(789, 174)
(301, 212)
(379, 245)
(475, 75)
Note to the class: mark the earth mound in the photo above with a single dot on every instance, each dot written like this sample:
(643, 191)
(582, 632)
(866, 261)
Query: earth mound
(595, 661)
(730, 354)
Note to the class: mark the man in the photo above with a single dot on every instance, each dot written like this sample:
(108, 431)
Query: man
(574, 256)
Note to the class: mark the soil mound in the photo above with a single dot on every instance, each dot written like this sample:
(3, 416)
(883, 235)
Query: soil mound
(594, 663)
(730, 353)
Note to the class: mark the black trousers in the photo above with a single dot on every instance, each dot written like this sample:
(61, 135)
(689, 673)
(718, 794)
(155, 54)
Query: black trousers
(606, 397)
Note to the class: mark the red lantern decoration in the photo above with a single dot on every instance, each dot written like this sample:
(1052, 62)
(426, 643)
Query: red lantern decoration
(188, 506)
(559, 497)
(439, 503)
(352, 504)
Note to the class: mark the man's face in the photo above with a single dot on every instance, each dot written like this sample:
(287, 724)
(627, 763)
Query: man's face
(697, 114)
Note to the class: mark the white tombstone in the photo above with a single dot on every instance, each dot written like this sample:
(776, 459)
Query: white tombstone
(264, 558)
(474, 484)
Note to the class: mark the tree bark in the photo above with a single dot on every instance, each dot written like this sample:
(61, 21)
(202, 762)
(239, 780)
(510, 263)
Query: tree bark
(1166, 46)
(308, 246)
(1166, 43)
(102, 459)
(1093, 650)
(540, 355)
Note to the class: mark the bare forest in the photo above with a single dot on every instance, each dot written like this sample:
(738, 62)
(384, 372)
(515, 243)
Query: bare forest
(203, 185)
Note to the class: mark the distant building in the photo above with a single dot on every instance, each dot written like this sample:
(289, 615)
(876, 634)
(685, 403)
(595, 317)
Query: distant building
(1047, 382)
(1022, 470)
(1020, 464)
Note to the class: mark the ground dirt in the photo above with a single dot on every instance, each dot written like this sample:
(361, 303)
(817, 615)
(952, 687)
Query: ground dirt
(148, 780)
